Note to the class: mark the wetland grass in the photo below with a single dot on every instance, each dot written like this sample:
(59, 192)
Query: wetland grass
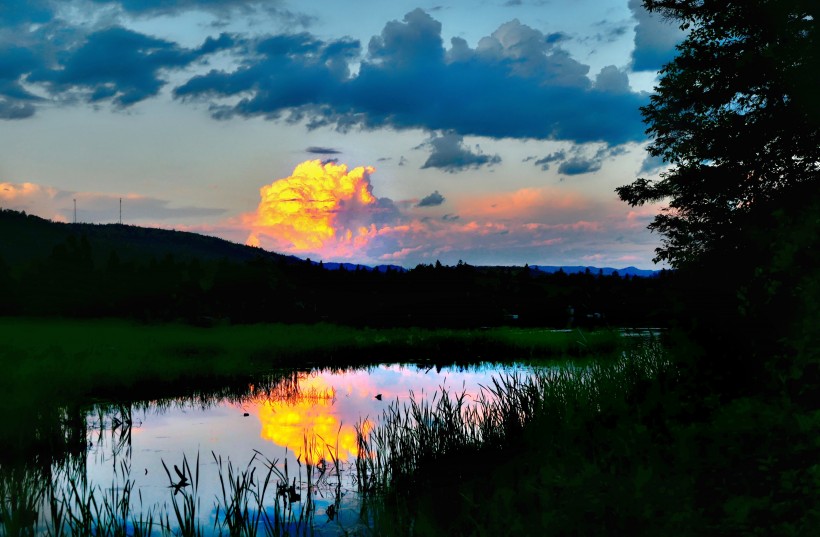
(68, 505)
(565, 451)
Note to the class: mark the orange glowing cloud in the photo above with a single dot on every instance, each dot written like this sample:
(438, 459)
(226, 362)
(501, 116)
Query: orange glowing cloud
(321, 207)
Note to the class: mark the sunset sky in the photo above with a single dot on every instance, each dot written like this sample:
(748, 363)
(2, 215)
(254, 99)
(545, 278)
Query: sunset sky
(372, 132)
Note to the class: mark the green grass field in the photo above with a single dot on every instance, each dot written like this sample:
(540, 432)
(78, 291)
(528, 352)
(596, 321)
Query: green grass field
(111, 357)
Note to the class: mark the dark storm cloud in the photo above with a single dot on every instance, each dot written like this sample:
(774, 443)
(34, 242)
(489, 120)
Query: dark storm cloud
(581, 163)
(119, 64)
(222, 8)
(222, 42)
(556, 37)
(549, 159)
(174, 6)
(25, 12)
(15, 101)
(69, 62)
(316, 150)
(291, 72)
(515, 83)
(14, 109)
(655, 39)
(431, 200)
(451, 155)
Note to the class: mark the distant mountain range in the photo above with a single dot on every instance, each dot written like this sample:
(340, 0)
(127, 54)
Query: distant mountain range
(332, 265)
(547, 269)
(606, 271)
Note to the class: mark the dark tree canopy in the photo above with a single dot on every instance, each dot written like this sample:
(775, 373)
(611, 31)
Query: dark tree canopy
(735, 116)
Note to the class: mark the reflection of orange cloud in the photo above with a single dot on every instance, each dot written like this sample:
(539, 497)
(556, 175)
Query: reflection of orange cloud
(288, 422)
(317, 209)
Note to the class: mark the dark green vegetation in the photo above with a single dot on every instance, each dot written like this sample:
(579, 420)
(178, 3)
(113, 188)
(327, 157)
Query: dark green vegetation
(736, 118)
(159, 276)
(118, 359)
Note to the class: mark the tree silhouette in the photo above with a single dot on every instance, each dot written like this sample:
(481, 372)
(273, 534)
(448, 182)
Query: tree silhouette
(735, 116)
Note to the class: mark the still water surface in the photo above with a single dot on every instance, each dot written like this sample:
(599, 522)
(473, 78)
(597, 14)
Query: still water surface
(266, 424)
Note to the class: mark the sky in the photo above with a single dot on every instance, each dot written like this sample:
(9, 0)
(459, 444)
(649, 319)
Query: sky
(492, 132)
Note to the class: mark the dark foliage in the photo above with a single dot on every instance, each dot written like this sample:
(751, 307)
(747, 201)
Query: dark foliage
(736, 116)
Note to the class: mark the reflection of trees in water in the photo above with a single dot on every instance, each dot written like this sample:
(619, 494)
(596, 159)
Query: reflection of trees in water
(40, 437)
(294, 388)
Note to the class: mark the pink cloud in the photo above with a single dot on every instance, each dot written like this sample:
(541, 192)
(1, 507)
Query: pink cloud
(521, 203)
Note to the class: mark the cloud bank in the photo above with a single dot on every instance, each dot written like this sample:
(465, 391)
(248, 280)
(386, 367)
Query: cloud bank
(515, 83)
(450, 154)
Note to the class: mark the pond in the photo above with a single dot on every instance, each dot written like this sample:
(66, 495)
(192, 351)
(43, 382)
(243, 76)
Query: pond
(287, 444)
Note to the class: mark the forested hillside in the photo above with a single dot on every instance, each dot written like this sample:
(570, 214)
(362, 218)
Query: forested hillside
(85, 270)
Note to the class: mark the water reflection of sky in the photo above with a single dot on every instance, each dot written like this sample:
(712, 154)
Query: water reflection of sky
(326, 404)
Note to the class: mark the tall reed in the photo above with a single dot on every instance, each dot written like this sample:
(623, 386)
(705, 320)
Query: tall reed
(422, 448)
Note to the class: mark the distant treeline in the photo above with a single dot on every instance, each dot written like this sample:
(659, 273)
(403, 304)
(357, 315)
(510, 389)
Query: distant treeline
(80, 270)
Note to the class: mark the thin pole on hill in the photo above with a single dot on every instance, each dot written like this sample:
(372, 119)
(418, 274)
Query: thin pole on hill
(75, 210)
(120, 211)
